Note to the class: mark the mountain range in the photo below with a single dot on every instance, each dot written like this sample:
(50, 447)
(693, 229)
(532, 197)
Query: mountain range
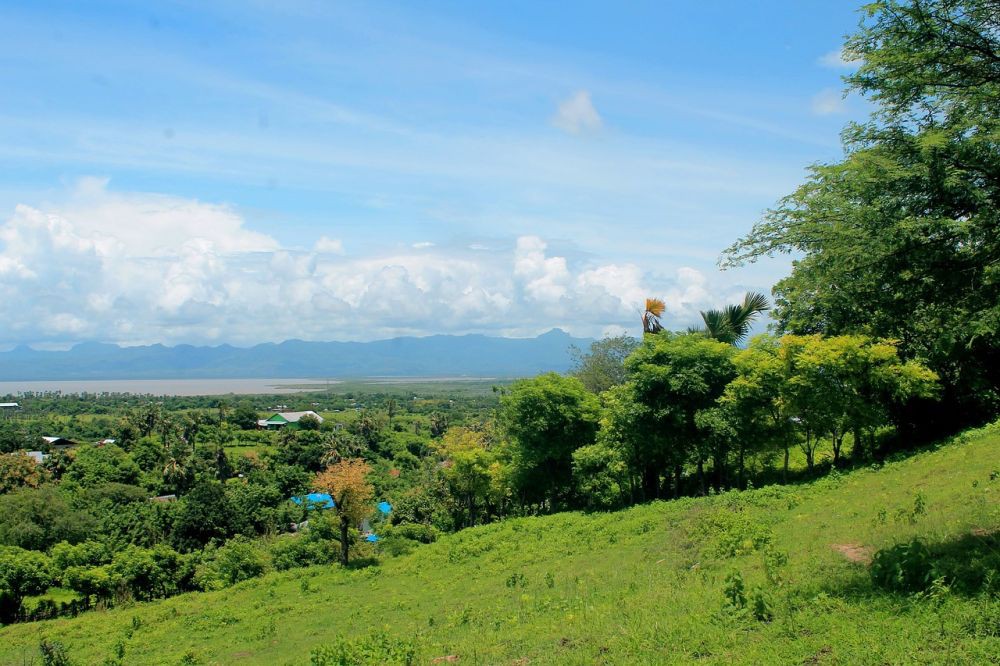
(436, 355)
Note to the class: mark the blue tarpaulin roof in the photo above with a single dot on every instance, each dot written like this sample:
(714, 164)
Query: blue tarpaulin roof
(372, 537)
(316, 501)
(384, 507)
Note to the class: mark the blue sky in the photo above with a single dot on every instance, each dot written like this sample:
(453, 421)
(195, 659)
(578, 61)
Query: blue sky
(252, 171)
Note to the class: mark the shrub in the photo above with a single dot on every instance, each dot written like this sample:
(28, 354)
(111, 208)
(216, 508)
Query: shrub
(238, 560)
(300, 551)
(53, 653)
(378, 649)
(905, 567)
(731, 533)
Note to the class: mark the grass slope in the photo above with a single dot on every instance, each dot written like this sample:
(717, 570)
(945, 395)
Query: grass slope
(645, 585)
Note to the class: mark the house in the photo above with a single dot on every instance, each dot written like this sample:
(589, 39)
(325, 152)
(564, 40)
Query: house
(37, 456)
(8, 409)
(59, 443)
(283, 419)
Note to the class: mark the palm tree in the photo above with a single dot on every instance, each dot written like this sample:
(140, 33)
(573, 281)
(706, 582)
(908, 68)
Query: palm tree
(651, 316)
(732, 324)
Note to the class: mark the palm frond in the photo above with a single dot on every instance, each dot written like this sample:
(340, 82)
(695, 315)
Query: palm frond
(651, 316)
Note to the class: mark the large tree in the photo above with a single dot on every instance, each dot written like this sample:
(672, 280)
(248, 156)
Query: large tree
(654, 417)
(603, 366)
(901, 239)
(547, 418)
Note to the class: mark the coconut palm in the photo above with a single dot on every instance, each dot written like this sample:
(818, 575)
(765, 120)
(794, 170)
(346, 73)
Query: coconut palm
(732, 324)
(651, 316)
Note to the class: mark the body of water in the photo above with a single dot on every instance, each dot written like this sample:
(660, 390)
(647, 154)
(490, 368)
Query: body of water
(168, 386)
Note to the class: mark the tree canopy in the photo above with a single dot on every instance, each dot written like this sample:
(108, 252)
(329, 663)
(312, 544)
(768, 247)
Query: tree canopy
(901, 239)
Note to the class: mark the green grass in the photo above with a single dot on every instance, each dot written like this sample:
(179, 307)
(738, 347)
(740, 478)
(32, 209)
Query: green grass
(641, 586)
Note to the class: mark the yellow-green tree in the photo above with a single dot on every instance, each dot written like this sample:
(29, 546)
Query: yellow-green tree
(347, 483)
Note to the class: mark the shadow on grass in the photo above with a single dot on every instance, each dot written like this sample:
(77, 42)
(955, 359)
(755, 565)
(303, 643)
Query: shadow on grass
(363, 563)
(968, 565)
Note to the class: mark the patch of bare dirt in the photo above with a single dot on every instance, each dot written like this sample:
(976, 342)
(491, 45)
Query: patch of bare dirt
(854, 552)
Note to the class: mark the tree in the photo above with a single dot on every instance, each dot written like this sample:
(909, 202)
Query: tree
(244, 416)
(347, 483)
(202, 515)
(22, 573)
(94, 465)
(546, 418)
(653, 416)
(18, 470)
(603, 366)
(752, 402)
(901, 239)
(474, 473)
(308, 422)
(732, 324)
(843, 384)
(37, 518)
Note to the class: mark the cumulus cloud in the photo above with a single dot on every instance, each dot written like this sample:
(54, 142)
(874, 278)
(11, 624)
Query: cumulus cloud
(828, 102)
(329, 245)
(140, 268)
(577, 114)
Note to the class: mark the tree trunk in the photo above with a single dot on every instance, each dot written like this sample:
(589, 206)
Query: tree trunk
(742, 468)
(650, 483)
(677, 481)
(344, 525)
(701, 477)
(784, 473)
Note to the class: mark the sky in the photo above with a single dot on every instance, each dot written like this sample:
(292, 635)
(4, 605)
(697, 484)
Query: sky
(256, 171)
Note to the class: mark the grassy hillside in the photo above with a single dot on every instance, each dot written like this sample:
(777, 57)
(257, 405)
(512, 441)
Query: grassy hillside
(646, 585)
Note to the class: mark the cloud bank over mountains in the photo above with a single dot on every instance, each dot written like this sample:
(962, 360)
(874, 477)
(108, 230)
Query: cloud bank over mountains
(137, 268)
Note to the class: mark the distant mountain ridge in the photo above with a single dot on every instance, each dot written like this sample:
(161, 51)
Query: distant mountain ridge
(436, 355)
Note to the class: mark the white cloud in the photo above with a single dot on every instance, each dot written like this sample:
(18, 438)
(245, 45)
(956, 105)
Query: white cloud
(79, 271)
(837, 59)
(329, 245)
(828, 102)
(422, 245)
(577, 114)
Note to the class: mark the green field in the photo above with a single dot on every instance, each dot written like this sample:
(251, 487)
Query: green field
(645, 585)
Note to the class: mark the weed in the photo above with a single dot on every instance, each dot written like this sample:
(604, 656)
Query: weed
(377, 649)
(905, 567)
(53, 653)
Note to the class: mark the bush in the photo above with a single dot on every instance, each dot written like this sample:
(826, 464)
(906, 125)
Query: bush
(238, 560)
(378, 649)
(731, 533)
(301, 551)
(905, 567)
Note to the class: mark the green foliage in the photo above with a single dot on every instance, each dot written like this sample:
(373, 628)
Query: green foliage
(238, 560)
(601, 476)
(728, 533)
(53, 653)
(22, 572)
(38, 518)
(204, 514)
(93, 465)
(376, 649)
(295, 551)
(652, 417)
(603, 365)
(900, 239)
(905, 567)
(546, 419)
